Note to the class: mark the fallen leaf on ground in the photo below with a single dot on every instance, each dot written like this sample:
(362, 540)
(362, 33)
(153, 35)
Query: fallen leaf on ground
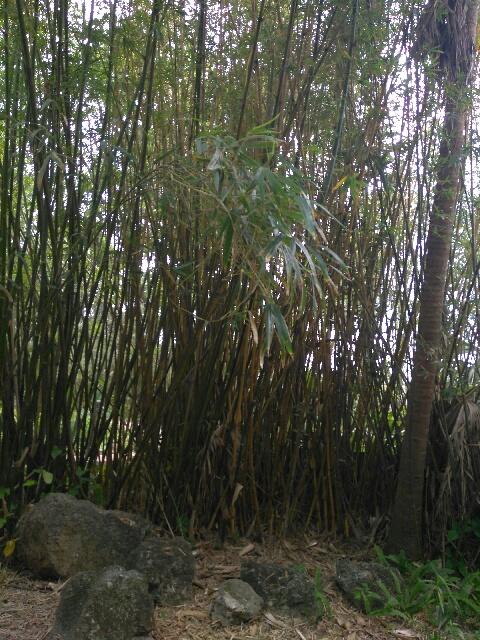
(343, 622)
(405, 633)
(274, 622)
(9, 547)
(199, 615)
(225, 569)
(250, 547)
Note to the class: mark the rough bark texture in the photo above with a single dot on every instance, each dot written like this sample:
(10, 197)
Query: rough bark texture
(406, 527)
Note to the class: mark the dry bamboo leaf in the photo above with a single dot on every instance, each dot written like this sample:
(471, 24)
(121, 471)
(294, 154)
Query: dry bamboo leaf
(405, 633)
(352, 636)
(360, 620)
(286, 544)
(253, 326)
(300, 634)
(249, 548)
(275, 622)
(343, 623)
(203, 544)
(9, 547)
(199, 585)
(322, 550)
(311, 544)
(342, 180)
(236, 493)
(192, 613)
(225, 569)
(218, 435)
(56, 588)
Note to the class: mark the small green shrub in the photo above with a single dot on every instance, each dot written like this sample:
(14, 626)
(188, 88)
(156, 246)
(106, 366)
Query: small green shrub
(36, 475)
(5, 513)
(86, 482)
(462, 549)
(183, 525)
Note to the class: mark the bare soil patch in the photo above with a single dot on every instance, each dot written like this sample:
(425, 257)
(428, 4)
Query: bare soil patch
(27, 606)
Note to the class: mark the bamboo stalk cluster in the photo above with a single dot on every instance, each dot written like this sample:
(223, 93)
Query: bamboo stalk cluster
(203, 317)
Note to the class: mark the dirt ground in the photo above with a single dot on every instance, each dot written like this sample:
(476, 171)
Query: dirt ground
(27, 606)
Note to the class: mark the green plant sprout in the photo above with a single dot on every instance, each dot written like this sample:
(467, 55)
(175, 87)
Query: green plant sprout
(323, 606)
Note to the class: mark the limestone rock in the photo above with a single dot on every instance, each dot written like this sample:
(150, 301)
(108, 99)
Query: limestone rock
(168, 566)
(355, 576)
(61, 536)
(236, 602)
(287, 591)
(112, 604)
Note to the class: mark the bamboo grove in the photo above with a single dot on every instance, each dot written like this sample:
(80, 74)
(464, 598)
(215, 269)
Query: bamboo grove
(212, 239)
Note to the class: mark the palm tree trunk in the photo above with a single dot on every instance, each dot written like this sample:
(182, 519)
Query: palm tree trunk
(406, 526)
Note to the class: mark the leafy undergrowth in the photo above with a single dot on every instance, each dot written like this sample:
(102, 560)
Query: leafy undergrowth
(447, 601)
(426, 610)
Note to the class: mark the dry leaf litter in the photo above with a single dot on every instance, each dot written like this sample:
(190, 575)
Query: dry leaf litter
(27, 606)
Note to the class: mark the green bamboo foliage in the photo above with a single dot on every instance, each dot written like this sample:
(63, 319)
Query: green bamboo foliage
(211, 236)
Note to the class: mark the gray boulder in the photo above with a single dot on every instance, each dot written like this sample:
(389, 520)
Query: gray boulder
(376, 581)
(113, 604)
(236, 602)
(61, 536)
(286, 591)
(168, 565)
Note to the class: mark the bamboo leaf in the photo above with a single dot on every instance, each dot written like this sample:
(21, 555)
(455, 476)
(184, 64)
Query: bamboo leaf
(275, 182)
(271, 248)
(336, 257)
(269, 325)
(260, 183)
(41, 172)
(306, 210)
(263, 128)
(56, 158)
(339, 183)
(216, 161)
(259, 143)
(282, 330)
(253, 326)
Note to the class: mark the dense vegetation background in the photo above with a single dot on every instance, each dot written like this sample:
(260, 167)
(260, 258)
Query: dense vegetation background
(213, 222)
